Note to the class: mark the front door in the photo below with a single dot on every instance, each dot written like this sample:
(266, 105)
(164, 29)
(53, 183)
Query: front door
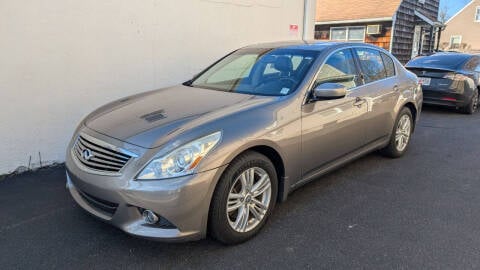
(334, 128)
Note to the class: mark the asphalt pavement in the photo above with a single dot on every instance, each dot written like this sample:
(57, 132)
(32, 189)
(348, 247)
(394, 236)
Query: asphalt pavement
(421, 211)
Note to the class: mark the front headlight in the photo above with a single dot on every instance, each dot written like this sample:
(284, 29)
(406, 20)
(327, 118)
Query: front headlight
(181, 161)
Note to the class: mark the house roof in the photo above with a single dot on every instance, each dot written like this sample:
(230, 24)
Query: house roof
(345, 10)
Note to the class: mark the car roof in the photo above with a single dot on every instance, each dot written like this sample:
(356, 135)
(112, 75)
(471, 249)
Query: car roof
(313, 45)
(451, 60)
(452, 55)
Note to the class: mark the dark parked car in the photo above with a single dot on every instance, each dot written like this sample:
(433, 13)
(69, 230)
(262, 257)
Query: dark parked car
(216, 153)
(450, 79)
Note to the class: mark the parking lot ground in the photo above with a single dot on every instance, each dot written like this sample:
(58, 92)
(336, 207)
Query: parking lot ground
(418, 212)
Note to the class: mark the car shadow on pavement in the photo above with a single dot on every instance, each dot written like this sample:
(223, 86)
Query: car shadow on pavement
(439, 109)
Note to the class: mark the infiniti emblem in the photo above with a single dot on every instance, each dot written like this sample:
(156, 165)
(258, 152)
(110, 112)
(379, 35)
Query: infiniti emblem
(87, 154)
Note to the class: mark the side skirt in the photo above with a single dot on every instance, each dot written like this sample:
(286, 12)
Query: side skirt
(375, 145)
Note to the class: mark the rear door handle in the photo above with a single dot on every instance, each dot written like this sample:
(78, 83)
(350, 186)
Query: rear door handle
(395, 88)
(359, 101)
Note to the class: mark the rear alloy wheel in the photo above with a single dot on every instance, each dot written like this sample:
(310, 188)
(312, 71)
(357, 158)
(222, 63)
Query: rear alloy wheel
(243, 199)
(472, 106)
(401, 135)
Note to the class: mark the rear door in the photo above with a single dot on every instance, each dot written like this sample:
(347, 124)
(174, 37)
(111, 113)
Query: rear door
(381, 90)
(333, 128)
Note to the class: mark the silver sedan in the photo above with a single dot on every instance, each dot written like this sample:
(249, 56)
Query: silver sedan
(215, 154)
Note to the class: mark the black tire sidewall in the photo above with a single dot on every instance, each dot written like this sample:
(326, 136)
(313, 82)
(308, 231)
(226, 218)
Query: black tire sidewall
(391, 149)
(471, 108)
(218, 224)
(468, 109)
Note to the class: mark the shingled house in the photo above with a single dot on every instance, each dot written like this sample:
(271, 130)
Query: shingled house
(406, 28)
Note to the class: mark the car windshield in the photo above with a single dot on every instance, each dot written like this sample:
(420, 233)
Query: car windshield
(270, 72)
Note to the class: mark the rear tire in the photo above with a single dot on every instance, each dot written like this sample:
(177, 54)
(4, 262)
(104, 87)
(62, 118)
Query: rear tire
(472, 106)
(401, 135)
(243, 199)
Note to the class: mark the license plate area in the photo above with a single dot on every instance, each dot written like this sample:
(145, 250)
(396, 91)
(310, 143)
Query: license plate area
(424, 81)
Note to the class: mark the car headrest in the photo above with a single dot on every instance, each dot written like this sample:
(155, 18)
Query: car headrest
(283, 64)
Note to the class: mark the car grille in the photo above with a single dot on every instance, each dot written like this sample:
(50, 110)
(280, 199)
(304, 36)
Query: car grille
(99, 156)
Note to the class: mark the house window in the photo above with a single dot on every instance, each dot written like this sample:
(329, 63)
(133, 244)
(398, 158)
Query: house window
(455, 42)
(350, 33)
(356, 33)
(477, 15)
(338, 33)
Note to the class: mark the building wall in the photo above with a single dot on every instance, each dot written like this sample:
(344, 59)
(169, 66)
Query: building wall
(405, 24)
(62, 59)
(322, 32)
(463, 24)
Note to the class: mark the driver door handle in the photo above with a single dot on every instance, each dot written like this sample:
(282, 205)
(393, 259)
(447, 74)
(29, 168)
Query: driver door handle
(359, 101)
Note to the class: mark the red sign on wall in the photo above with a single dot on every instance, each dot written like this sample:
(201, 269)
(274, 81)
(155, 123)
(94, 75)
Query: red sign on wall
(293, 28)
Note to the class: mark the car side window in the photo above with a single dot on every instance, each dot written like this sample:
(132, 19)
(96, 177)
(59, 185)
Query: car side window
(339, 68)
(372, 64)
(389, 65)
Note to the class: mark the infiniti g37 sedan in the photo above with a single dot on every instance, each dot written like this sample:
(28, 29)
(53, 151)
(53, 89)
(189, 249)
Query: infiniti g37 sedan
(215, 154)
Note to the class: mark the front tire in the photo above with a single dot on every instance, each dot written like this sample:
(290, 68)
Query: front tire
(243, 199)
(401, 135)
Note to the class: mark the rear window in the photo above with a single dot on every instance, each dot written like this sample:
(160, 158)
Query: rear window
(450, 60)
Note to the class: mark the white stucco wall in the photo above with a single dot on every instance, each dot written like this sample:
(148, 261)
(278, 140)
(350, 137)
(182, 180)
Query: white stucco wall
(61, 59)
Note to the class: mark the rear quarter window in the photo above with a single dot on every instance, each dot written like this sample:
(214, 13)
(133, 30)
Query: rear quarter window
(472, 64)
(389, 65)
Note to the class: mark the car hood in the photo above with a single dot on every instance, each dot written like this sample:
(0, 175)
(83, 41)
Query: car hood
(149, 119)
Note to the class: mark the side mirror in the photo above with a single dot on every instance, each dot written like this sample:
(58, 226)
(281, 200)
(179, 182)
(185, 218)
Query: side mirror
(329, 91)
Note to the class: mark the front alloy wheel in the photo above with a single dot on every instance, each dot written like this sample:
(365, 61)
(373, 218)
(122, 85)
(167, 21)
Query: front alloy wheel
(248, 199)
(243, 199)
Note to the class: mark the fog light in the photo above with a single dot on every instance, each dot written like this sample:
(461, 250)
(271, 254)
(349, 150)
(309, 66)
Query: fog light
(150, 217)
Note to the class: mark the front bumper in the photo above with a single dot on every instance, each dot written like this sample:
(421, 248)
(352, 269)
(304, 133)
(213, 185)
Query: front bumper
(182, 202)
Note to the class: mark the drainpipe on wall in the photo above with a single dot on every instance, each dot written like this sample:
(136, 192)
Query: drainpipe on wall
(439, 36)
(309, 9)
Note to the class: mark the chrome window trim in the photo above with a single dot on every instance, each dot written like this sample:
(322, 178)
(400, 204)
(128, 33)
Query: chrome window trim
(350, 47)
